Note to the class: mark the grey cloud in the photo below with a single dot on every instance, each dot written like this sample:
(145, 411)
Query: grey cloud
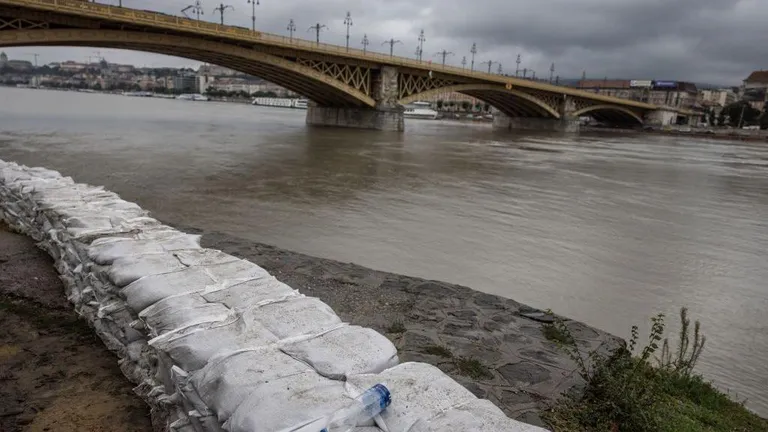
(717, 41)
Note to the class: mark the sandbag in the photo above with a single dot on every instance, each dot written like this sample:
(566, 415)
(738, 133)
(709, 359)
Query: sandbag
(179, 312)
(477, 415)
(287, 403)
(419, 392)
(250, 293)
(190, 348)
(148, 290)
(227, 380)
(294, 317)
(349, 350)
(108, 252)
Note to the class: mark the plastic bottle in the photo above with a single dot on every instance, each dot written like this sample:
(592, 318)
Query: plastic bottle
(365, 407)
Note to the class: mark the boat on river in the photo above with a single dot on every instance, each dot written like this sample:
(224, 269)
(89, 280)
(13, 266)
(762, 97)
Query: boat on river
(280, 102)
(420, 110)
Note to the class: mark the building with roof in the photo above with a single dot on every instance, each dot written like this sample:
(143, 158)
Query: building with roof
(756, 80)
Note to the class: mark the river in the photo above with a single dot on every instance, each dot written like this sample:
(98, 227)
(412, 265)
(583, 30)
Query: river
(605, 229)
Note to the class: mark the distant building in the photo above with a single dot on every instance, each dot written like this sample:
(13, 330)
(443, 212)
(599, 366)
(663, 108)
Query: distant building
(3, 59)
(19, 65)
(182, 83)
(72, 67)
(717, 98)
(676, 94)
(756, 80)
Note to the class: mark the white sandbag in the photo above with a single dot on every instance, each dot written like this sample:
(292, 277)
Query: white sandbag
(419, 391)
(288, 403)
(295, 317)
(227, 380)
(349, 350)
(250, 293)
(125, 270)
(477, 415)
(148, 290)
(176, 316)
(107, 252)
(191, 348)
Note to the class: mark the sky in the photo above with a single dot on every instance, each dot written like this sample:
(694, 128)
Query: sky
(705, 41)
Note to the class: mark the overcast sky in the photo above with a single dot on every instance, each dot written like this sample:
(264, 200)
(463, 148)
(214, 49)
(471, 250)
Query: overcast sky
(712, 41)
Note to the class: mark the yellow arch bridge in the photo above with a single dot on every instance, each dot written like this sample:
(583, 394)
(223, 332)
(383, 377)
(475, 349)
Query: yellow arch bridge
(349, 87)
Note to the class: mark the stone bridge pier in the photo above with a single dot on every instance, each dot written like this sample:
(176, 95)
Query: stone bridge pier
(566, 123)
(387, 115)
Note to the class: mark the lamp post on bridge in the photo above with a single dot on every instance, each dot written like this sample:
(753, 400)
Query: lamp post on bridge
(525, 72)
(473, 51)
(196, 8)
(464, 62)
(221, 8)
(348, 23)
(421, 43)
(391, 43)
(418, 53)
(517, 69)
(489, 63)
(291, 28)
(317, 28)
(365, 43)
(253, 4)
(499, 69)
(444, 54)
(551, 72)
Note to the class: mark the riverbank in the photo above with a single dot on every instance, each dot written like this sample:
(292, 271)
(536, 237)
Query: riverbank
(494, 346)
(56, 374)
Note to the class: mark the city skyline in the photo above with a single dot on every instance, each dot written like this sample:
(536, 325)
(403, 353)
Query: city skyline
(690, 40)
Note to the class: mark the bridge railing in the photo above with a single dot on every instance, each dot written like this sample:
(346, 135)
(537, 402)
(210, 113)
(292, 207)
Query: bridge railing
(159, 19)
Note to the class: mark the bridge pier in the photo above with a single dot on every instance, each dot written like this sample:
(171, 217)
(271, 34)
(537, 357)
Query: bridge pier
(502, 121)
(387, 115)
(359, 118)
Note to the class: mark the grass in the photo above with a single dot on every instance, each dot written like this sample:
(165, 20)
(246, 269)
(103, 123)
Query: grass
(396, 327)
(472, 368)
(631, 391)
(438, 350)
(553, 333)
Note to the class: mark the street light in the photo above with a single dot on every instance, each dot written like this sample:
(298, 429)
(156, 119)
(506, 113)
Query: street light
(473, 50)
(365, 43)
(551, 72)
(464, 62)
(517, 69)
(253, 4)
(291, 28)
(421, 43)
(418, 53)
(348, 23)
(391, 43)
(499, 70)
(221, 8)
(489, 63)
(317, 28)
(525, 72)
(444, 54)
(196, 8)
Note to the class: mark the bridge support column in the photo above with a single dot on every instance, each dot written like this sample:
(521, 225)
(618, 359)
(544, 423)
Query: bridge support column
(387, 115)
(504, 122)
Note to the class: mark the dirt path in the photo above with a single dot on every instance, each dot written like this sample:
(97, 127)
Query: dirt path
(55, 375)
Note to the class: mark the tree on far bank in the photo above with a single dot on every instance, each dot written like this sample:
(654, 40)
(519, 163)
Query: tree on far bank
(734, 113)
(764, 118)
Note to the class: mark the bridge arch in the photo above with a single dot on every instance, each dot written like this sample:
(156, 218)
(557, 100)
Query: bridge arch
(612, 113)
(511, 102)
(301, 79)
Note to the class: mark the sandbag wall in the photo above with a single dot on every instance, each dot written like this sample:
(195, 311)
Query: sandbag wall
(214, 342)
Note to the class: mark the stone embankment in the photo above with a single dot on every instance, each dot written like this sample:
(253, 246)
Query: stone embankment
(213, 341)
